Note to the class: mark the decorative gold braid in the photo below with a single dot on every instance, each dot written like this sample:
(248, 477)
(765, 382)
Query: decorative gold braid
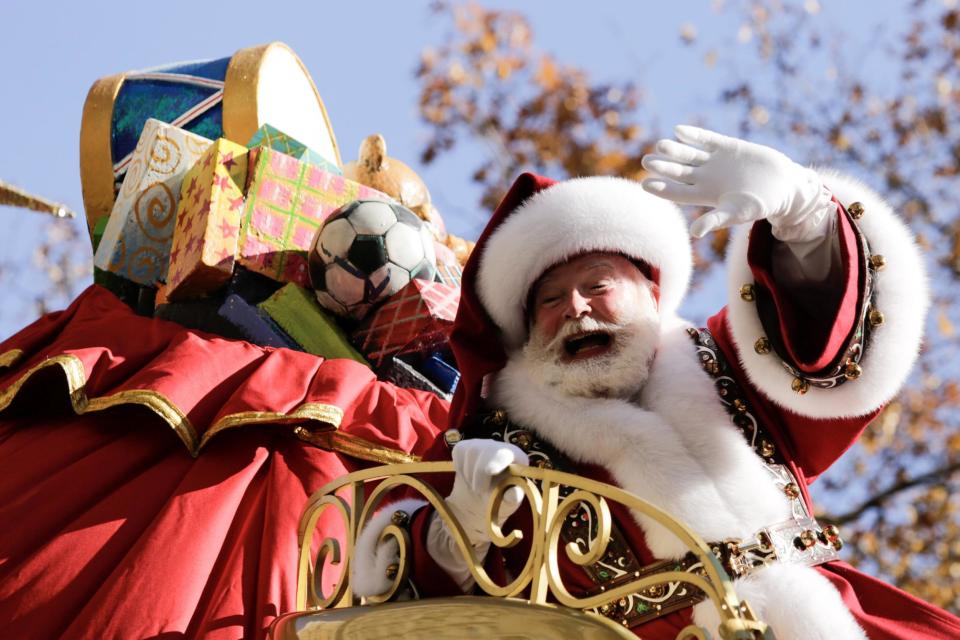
(354, 446)
(315, 411)
(329, 439)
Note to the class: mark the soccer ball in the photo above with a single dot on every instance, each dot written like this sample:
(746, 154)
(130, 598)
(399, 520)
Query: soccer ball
(365, 252)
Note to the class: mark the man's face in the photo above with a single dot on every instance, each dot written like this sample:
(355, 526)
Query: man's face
(595, 326)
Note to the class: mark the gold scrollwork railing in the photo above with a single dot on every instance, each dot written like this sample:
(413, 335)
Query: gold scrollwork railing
(540, 578)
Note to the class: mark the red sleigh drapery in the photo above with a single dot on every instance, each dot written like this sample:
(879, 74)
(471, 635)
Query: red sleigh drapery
(151, 477)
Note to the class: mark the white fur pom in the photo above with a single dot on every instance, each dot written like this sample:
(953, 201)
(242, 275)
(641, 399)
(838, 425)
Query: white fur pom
(368, 575)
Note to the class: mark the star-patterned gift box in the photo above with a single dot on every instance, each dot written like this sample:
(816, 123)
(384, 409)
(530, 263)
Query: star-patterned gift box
(269, 136)
(287, 202)
(136, 241)
(416, 319)
(208, 222)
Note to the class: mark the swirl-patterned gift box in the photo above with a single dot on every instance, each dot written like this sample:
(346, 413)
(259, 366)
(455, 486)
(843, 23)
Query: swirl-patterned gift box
(136, 242)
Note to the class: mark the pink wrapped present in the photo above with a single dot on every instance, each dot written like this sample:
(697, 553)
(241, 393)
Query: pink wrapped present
(417, 318)
(287, 201)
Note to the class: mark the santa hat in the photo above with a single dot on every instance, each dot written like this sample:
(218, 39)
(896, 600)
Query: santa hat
(542, 223)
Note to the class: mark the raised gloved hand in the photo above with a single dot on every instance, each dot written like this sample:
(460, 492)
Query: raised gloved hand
(479, 466)
(742, 181)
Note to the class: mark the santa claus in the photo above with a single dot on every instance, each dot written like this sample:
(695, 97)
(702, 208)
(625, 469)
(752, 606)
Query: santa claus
(573, 357)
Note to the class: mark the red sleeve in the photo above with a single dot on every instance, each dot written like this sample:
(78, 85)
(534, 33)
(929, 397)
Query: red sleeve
(810, 325)
(430, 579)
(809, 443)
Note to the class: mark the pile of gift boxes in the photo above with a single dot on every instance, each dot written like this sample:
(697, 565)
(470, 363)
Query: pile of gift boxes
(215, 235)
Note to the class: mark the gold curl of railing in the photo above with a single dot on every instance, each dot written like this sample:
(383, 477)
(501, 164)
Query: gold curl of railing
(540, 578)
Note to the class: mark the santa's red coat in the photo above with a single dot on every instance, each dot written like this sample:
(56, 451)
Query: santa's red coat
(808, 443)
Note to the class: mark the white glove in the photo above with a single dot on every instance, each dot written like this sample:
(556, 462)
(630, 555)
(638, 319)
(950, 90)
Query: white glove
(479, 466)
(742, 181)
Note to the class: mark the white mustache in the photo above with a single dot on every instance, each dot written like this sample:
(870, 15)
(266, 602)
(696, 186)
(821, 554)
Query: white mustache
(583, 325)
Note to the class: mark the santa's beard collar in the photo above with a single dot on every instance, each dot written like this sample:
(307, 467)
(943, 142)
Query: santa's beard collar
(619, 372)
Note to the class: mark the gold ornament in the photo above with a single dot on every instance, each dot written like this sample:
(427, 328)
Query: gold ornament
(400, 518)
(766, 448)
(856, 210)
(375, 169)
(762, 346)
(800, 385)
(852, 371)
(748, 293)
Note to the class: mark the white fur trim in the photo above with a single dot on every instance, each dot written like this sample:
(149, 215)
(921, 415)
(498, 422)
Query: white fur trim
(368, 573)
(901, 293)
(676, 447)
(798, 603)
(679, 450)
(575, 217)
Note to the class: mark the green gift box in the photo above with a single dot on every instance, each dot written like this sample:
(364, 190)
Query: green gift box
(298, 314)
(268, 136)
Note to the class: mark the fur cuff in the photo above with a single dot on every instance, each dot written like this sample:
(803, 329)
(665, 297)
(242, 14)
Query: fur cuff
(575, 217)
(368, 574)
(798, 603)
(900, 293)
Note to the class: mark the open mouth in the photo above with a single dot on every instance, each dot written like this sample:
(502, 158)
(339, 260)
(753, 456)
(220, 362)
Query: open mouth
(587, 345)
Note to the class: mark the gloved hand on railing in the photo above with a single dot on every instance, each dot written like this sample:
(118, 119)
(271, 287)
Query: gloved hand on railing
(479, 466)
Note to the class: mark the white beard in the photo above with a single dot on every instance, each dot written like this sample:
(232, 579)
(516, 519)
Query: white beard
(619, 373)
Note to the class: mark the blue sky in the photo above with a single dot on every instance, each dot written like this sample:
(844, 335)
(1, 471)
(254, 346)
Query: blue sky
(362, 56)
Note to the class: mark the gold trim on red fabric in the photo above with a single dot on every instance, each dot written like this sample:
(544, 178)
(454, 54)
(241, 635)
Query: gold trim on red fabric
(329, 439)
(353, 446)
(315, 411)
(10, 358)
(73, 369)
